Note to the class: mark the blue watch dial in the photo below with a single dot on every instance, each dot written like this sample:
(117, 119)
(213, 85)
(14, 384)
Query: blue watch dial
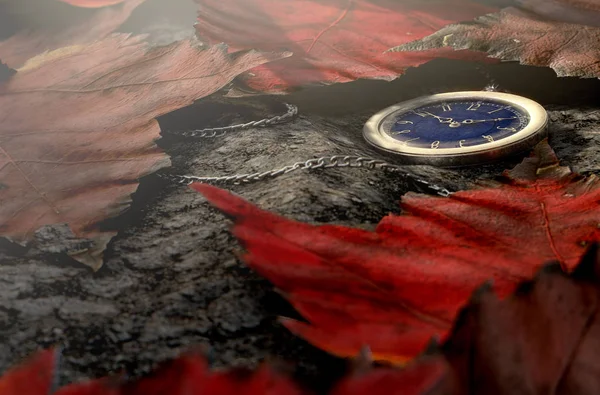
(455, 124)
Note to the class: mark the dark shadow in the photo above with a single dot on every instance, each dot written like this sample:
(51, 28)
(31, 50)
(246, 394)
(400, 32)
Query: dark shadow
(444, 75)
(159, 16)
(5, 72)
(10, 250)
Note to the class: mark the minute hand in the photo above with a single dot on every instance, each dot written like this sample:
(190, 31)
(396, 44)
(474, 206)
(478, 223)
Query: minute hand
(467, 121)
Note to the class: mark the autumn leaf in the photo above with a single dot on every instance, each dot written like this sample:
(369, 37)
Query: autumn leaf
(186, 375)
(36, 376)
(424, 377)
(190, 374)
(92, 3)
(78, 128)
(17, 49)
(515, 35)
(397, 287)
(585, 12)
(332, 40)
(541, 339)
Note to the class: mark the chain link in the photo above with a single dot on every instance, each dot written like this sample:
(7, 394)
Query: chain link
(316, 163)
(292, 111)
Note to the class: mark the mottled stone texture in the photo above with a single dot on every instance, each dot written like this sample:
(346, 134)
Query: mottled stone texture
(171, 279)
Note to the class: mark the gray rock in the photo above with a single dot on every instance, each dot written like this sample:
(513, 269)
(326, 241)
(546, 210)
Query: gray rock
(171, 279)
(234, 312)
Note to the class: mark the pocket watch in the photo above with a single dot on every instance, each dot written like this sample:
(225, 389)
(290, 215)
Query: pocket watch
(458, 128)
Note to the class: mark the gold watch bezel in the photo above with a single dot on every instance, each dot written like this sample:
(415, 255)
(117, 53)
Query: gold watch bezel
(535, 131)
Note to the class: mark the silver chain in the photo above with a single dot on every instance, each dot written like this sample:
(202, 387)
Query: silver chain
(316, 163)
(292, 111)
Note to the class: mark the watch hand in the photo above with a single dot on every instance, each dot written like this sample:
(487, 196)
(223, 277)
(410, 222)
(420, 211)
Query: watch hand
(441, 119)
(468, 121)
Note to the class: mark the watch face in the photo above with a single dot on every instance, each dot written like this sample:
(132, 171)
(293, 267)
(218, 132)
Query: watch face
(457, 128)
(455, 124)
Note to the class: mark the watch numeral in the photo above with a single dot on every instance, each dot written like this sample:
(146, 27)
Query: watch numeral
(474, 106)
(435, 144)
(509, 129)
(498, 109)
(446, 107)
(488, 138)
(404, 122)
(401, 132)
(461, 142)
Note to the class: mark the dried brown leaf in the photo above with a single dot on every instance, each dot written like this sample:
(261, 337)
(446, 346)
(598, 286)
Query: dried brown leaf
(515, 35)
(78, 128)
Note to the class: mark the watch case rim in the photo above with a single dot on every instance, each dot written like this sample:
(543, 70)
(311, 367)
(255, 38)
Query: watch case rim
(534, 132)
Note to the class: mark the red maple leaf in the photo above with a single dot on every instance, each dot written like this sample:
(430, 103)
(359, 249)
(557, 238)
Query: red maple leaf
(420, 378)
(541, 339)
(33, 377)
(332, 40)
(396, 288)
(188, 374)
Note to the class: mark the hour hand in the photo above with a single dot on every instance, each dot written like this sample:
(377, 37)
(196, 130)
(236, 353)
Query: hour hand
(441, 119)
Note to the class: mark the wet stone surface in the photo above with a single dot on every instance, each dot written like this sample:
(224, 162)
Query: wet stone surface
(171, 280)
